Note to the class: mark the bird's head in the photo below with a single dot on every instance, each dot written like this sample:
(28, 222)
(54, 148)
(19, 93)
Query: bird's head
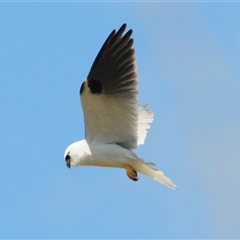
(75, 154)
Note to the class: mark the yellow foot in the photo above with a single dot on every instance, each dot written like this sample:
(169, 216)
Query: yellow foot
(131, 172)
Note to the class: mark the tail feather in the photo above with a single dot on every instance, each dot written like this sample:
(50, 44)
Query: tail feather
(153, 173)
(146, 168)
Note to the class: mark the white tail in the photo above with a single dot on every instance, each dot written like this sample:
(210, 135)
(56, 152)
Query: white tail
(144, 168)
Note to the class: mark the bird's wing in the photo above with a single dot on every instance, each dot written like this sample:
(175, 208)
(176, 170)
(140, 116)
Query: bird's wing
(109, 94)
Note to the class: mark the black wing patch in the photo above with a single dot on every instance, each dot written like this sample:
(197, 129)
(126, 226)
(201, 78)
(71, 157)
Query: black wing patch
(82, 88)
(113, 70)
(95, 85)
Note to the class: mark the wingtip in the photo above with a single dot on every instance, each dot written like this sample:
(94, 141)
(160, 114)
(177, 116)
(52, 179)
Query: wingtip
(121, 29)
(124, 26)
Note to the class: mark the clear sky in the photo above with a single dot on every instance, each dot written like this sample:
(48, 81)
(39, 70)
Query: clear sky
(188, 58)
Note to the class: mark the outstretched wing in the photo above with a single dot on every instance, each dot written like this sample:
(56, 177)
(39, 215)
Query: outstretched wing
(109, 94)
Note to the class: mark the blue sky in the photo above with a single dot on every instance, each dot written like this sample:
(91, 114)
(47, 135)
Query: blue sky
(188, 66)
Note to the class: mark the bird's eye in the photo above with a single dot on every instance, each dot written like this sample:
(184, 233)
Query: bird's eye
(67, 157)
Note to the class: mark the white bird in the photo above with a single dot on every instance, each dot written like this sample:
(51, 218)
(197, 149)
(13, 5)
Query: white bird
(115, 125)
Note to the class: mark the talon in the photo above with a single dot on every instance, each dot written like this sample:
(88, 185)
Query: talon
(131, 173)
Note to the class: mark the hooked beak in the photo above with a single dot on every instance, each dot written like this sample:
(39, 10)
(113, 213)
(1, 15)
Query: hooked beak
(68, 164)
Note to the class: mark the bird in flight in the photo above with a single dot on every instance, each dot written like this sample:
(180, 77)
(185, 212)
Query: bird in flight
(115, 124)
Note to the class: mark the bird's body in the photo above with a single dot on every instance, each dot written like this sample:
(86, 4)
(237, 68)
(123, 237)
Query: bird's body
(113, 155)
(114, 122)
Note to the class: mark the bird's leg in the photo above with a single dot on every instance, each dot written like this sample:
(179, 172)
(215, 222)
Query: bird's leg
(131, 172)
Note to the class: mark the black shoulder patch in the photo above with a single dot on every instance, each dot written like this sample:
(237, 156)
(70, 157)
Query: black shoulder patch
(95, 85)
(82, 87)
